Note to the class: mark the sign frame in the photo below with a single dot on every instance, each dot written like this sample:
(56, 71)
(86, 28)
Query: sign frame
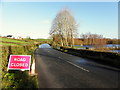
(18, 68)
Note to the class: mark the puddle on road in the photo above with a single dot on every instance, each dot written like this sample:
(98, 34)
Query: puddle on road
(44, 46)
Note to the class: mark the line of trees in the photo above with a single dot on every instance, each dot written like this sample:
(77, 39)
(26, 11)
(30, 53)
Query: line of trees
(113, 41)
(64, 28)
(93, 39)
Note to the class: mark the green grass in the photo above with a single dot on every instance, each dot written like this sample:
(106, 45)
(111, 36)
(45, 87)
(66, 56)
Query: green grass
(42, 39)
(8, 44)
(12, 40)
(78, 47)
(8, 41)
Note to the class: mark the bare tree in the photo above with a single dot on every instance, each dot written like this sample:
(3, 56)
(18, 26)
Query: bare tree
(64, 27)
(93, 39)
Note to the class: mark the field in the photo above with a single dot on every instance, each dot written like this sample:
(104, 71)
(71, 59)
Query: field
(8, 41)
(13, 42)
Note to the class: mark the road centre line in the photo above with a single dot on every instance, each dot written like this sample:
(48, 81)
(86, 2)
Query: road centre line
(78, 66)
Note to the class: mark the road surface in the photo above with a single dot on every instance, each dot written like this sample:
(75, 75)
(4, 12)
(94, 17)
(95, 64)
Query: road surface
(56, 69)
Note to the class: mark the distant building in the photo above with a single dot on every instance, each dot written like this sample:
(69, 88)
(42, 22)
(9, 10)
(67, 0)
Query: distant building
(9, 36)
(15, 37)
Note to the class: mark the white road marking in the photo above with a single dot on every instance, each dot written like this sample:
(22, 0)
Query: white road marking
(78, 66)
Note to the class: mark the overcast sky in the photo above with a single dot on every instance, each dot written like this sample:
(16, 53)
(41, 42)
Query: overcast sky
(34, 18)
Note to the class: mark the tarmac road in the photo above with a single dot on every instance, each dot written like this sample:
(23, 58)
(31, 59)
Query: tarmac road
(56, 69)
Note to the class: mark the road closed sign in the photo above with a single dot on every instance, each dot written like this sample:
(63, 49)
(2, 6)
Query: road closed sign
(19, 62)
